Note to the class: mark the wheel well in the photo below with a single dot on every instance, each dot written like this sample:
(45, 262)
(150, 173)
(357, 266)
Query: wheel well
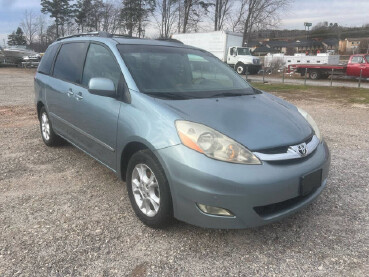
(39, 106)
(130, 149)
(239, 63)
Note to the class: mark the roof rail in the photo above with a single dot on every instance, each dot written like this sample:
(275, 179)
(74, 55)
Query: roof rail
(96, 34)
(170, 40)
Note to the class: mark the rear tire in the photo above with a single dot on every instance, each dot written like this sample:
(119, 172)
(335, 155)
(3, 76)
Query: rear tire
(47, 133)
(148, 190)
(314, 75)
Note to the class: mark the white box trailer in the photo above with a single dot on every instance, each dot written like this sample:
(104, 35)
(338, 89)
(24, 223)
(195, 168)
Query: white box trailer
(217, 42)
(322, 58)
(226, 46)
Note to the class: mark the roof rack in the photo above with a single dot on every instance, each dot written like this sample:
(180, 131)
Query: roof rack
(170, 40)
(96, 34)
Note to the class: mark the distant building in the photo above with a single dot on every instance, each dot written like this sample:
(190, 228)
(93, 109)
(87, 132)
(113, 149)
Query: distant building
(263, 50)
(349, 45)
(331, 44)
(253, 45)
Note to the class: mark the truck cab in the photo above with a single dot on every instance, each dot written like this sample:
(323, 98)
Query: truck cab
(241, 59)
(358, 64)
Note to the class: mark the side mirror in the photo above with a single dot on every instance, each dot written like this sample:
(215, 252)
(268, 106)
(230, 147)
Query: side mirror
(102, 86)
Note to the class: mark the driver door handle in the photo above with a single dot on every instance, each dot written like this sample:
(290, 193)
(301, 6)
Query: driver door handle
(79, 96)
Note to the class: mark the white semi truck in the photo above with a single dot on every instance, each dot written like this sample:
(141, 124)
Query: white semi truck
(227, 46)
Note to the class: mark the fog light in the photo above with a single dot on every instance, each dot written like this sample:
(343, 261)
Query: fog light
(214, 210)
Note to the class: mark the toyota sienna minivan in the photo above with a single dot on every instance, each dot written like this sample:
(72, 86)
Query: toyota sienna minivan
(189, 136)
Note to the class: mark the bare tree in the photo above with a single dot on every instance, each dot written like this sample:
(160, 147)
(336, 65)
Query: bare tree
(111, 17)
(189, 14)
(261, 14)
(222, 9)
(29, 26)
(164, 14)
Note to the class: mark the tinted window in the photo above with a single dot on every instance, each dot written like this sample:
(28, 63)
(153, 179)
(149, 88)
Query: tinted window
(100, 63)
(47, 59)
(69, 63)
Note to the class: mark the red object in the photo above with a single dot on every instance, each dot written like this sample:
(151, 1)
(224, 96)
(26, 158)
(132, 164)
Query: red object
(356, 64)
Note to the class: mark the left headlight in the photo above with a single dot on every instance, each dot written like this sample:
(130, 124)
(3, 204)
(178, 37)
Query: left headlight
(311, 121)
(213, 144)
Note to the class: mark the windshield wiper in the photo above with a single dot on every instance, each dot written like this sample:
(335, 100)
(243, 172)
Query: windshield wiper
(229, 94)
(168, 95)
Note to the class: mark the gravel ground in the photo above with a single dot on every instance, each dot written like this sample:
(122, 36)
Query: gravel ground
(63, 214)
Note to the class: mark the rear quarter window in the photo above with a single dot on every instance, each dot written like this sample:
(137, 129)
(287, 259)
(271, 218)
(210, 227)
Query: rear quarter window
(69, 62)
(47, 59)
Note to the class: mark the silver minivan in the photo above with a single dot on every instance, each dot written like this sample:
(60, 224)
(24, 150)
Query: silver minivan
(189, 136)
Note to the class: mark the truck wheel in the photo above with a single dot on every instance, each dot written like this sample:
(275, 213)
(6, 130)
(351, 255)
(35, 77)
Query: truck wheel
(240, 68)
(314, 75)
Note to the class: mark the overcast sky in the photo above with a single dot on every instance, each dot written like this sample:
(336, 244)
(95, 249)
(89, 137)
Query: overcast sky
(343, 12)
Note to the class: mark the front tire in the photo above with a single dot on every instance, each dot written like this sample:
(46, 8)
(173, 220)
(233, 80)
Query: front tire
(240, 68)
(148, 190)
(47, 133)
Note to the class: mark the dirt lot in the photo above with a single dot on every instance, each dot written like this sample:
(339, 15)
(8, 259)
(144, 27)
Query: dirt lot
(63, 214)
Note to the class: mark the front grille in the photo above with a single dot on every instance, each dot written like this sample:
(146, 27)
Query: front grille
(282, 149)
(272, 209)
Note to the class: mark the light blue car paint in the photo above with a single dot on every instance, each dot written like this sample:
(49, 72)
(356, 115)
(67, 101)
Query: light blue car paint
(104, 126)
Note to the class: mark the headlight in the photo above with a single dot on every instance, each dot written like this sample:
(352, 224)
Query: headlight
(213, 144)
(311, 121)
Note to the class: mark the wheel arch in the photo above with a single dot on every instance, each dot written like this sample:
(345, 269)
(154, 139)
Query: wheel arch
(40, 104)
(126, 154)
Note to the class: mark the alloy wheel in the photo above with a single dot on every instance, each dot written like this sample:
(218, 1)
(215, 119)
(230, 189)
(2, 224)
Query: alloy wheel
(45, 126)
(145, 190)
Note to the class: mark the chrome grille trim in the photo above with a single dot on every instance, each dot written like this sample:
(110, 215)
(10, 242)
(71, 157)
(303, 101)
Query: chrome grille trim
(291, 153)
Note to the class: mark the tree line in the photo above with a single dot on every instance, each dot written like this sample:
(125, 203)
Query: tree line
(136, 17)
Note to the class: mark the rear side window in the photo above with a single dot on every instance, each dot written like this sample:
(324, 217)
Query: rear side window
(47, 59)
(69, 62)
(100, 63)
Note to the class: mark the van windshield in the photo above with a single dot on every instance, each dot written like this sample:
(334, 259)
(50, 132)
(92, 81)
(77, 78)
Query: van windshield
(181, 73)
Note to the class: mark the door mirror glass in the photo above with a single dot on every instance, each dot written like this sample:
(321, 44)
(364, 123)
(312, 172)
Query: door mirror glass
(102, 86)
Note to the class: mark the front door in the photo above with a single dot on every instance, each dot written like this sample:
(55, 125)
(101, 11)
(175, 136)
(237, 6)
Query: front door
(232, 56)
(355, 65)
(97, 116)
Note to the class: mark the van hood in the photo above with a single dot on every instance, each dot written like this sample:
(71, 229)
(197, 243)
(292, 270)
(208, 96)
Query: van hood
(259, 122)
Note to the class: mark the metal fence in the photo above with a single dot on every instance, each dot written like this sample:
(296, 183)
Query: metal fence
(279, 76)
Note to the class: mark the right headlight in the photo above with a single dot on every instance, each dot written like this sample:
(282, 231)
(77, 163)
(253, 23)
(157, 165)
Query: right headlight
(312, 122)
(213, 144)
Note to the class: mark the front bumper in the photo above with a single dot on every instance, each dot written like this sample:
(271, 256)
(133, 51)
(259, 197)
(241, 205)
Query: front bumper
(255, 194)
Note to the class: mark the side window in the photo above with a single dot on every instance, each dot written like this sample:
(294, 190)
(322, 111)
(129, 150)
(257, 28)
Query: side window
(357, 59)
(69, 62)
(100, 63)
(47, 59)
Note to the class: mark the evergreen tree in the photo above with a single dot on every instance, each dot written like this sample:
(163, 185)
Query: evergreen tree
(60, 10)
(134, 13)
(17, 38)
